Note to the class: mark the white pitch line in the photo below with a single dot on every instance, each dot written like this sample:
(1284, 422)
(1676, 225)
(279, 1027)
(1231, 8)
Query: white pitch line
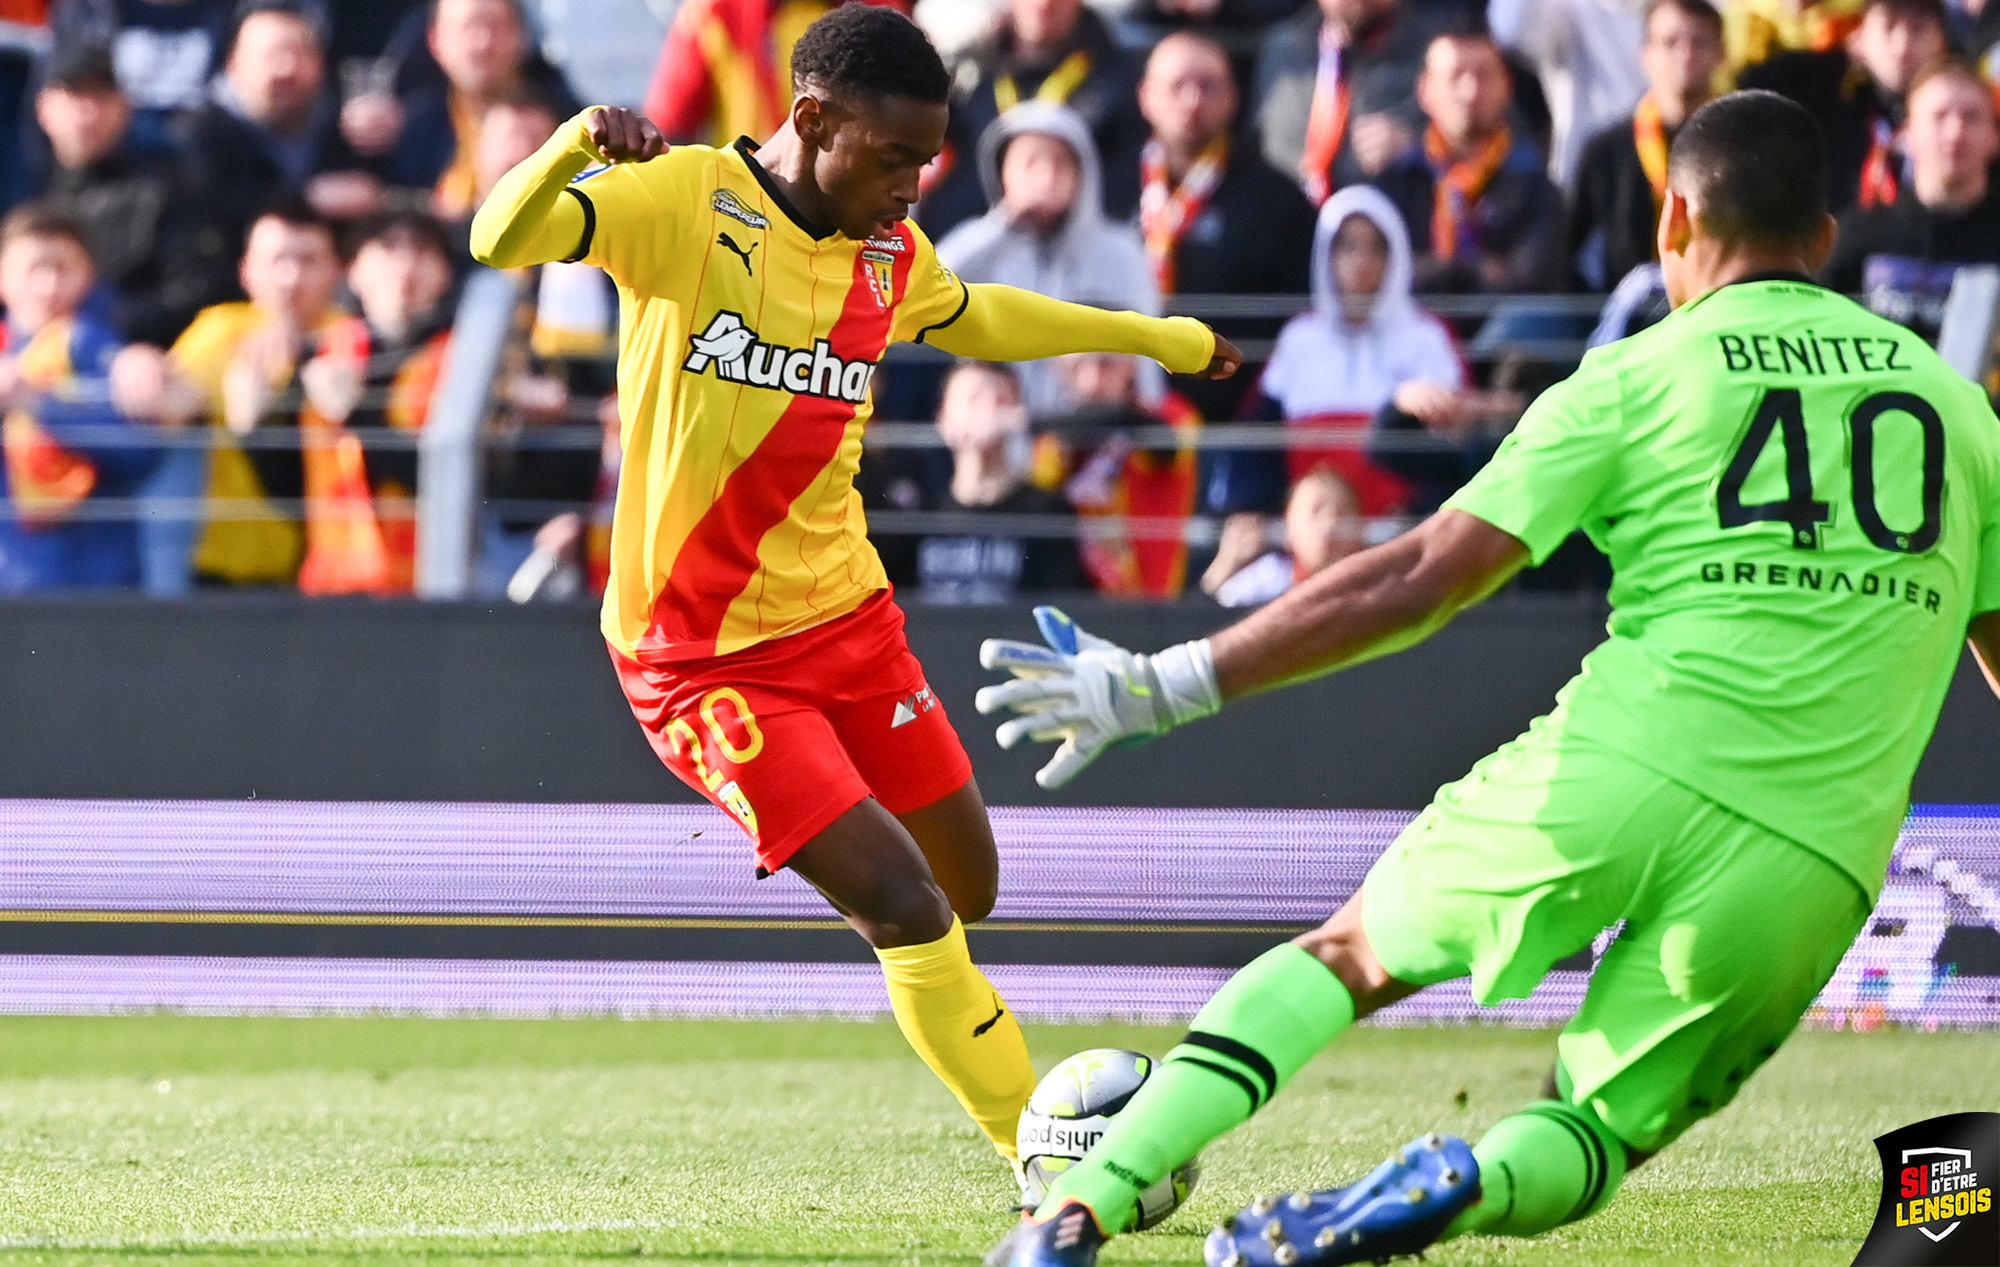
(411, 1232)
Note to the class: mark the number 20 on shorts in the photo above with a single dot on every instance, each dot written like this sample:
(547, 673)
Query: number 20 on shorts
(681, 735)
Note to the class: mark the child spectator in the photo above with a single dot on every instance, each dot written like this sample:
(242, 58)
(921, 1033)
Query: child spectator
(1323, 525)
(1481, 212)
(155, 264)
(374, 372)
(238, 359)
(1903, 257)
(986, 430)
(1135, 501)
(1046, 232)
(1336, 365)
(66, 445)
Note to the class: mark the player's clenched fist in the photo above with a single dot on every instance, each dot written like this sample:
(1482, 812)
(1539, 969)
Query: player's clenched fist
(624, 136)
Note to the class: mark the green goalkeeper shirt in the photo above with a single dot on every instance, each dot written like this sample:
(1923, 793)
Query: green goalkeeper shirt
(1801, 503)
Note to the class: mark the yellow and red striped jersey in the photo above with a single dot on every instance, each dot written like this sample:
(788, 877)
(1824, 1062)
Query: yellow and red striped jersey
(748, 338)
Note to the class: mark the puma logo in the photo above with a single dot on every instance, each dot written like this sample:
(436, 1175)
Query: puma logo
(1000, 1010)
(723, 239)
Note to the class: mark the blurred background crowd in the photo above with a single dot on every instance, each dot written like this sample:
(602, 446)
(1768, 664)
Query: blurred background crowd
(234, 250)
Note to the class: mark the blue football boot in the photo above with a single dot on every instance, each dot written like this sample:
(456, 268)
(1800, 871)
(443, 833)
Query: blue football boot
(1402, 1206)
(1068, 1238)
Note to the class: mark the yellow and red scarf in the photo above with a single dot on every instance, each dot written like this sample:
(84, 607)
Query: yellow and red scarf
(354, 545)
(45, 481)
(1166, 210)
(1879, 184)
(1460, 183)
(1649, 134)
(1326, 125)
(1060, 85)
(1158, 489)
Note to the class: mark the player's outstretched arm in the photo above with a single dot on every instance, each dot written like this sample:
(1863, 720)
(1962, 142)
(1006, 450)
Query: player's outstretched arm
(1005, 323)
(525, 220)
(1090, 695)
(1369, 604)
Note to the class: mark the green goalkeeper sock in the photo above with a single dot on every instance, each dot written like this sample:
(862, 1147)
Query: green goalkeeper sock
(1550, 1164)
(1247, 1042)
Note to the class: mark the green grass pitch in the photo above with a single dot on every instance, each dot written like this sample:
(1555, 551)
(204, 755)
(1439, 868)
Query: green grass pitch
(182, 1140)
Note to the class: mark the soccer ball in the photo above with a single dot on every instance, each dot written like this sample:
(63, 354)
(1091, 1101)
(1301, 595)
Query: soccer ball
(1070, 1111)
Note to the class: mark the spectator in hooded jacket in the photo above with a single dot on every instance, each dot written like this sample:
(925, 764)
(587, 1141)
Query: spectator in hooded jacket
(1338, 364)
(1474, 195)
(1047, 231)
(1059, 53)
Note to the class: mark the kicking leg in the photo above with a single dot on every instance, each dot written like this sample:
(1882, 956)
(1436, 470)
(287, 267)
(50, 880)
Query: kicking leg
(871, 869)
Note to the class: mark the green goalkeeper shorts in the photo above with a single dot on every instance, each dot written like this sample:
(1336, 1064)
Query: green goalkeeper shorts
(1730, 930)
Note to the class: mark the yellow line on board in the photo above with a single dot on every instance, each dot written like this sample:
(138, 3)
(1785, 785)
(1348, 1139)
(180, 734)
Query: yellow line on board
(390, 919)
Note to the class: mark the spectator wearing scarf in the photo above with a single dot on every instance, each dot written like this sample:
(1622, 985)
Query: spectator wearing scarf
(1057, 53)
(1482, 213)
(1622, 179)
(1334, 96)
(1217, 218)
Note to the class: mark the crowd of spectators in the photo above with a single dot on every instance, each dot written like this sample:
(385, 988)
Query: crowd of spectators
(237, 239)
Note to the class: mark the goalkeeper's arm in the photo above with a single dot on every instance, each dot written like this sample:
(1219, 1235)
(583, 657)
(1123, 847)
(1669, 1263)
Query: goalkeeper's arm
(1005, 323)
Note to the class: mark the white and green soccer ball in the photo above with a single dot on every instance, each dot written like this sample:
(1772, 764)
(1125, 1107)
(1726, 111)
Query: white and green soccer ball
(1070, 1111)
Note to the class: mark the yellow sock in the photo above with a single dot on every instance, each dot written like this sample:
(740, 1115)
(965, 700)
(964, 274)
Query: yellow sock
(954, 1018)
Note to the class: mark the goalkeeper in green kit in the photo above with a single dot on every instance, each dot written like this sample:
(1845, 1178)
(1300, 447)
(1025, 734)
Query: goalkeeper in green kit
(1801, 503)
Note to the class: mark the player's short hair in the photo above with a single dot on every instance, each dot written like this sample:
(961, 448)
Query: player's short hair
(1754, 164)
(428, 232)
(40, 220)
(1700, 10)
(870, 51)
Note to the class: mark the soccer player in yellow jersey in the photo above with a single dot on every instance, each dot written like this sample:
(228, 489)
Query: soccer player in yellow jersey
(749, 618)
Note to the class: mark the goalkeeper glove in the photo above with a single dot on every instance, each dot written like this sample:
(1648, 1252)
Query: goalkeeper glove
(1092, 694)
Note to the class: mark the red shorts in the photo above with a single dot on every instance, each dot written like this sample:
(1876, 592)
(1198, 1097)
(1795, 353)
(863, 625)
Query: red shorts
(788, 735)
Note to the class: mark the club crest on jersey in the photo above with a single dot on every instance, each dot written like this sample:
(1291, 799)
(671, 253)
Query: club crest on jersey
(879, 271)
(726, 201)
(734, 353)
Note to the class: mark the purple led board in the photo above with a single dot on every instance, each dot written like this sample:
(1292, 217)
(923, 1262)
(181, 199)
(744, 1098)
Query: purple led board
(256, 907)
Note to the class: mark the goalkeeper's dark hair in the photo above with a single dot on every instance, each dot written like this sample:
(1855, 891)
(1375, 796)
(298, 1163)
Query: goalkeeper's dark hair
(870, 51)
(1754, 164)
